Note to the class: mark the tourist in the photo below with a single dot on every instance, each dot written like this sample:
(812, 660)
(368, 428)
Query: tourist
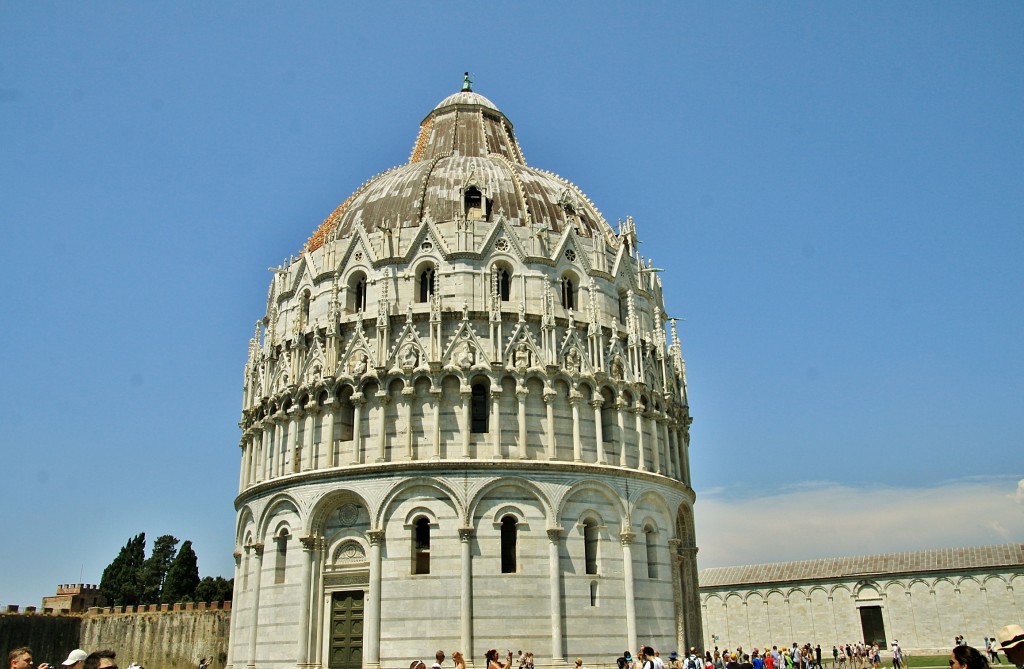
(459, 660)
(438, 660)
(990, 648)
(579, 663)
(494, 663)
(658, 662)
(625, 661)
(755, 659)
(1011, 642)
(897, 655)
(21, 658)
(76, 659)
(967, 657)
(101, 659)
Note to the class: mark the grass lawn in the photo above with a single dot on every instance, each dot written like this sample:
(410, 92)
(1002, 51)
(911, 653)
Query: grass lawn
(928, 660)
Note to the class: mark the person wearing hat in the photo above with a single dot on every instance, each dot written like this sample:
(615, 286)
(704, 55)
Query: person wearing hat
(76, 659)
(1011, 642)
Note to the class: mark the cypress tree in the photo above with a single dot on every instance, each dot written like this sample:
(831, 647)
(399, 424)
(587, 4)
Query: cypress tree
(121, 583)
(182, 577)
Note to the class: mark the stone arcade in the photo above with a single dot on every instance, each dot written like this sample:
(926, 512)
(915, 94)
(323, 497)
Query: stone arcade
(464, 425)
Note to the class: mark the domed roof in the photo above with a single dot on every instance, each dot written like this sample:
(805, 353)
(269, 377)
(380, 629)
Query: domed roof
(465, 98)
(464, 143)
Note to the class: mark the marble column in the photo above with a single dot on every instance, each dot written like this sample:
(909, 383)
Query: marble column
(308, 457)
(291, 442)
(358, 401)
(327, 431)
(308, 549)
(466, 392)
(521, 394)
(555, 577)
(626, 539)
(496, 423)
(620, 419)
(549, 401)
(436, 394)
(408, 397)
(257, 559)
(577, 445)
(676, 561)
(466, 593)
(599, 430)
(232, 622)
(655, 441)
(371, 638)
(638, 412)
(383, 400)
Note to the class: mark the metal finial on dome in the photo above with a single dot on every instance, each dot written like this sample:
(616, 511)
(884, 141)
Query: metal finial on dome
(467, 83)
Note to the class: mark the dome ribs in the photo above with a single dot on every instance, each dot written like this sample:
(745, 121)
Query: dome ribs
(421, 141)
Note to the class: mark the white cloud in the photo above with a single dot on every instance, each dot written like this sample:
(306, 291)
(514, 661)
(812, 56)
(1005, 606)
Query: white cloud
(820, 520)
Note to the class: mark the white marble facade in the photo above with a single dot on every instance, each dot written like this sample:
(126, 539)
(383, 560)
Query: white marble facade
(464, 425)
(923, 599)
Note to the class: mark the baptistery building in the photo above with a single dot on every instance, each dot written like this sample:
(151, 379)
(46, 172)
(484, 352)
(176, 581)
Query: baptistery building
(465, 425)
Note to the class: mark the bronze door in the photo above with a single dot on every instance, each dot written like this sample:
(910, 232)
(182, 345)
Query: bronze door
(346, 630)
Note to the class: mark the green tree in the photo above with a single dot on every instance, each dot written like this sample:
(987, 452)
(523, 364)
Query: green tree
(154, 570)
(182, 577)
(212, 589)
(121, 583)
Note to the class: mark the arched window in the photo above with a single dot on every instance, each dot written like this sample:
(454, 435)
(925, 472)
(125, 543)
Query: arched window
(281, 558)
(474, 205)
(426, 280)
(304, 308)
(508, 544)
(504, 279)
(479, 411)
(623, 307)
(568, 293)
(590, 545)
(421, 546)
(652, 565)
(593, 593)
(359, 296)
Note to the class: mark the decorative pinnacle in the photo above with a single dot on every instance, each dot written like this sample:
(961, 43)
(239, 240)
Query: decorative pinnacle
(467, 83)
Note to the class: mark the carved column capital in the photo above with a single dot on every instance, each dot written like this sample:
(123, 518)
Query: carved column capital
(309, 542)
(465, 534)
(257, 549)
(375, 537)
(554, 534)
(357, 399)
(522, 392)
(626, 538)
(597, 403)
(383, 398)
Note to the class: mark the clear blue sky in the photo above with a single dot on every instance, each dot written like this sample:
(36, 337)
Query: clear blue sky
(834, 189)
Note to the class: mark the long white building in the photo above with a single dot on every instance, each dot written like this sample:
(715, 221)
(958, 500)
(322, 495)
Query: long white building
(923, 599)
(464, 425)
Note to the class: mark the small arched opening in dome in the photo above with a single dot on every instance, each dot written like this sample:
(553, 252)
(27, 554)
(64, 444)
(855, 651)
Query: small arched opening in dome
(356, 293)
(479, 407)
(570, 288)
(426, 283)
(623, 306)
(474, 204)
(304, 308)
(501, 281)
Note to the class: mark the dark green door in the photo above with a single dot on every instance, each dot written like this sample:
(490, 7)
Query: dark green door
(872, 625)
(347, 630)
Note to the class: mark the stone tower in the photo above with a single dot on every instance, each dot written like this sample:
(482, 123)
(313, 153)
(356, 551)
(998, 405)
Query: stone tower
(464, 425)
